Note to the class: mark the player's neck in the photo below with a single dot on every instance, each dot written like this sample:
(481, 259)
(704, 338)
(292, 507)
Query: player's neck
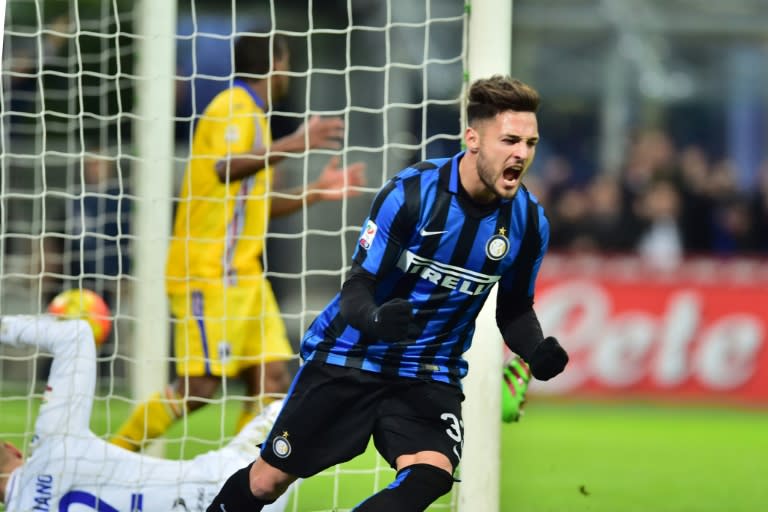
(470, 180)
(261, 87)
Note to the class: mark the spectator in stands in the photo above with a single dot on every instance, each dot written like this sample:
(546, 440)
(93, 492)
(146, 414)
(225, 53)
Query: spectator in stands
(759, 202)
(734, 227)
(96, 253)
(731, 223)
(31, 56)
(696, 201)
(661, 241)
(570, 229)
(652, 155)
(605, 222)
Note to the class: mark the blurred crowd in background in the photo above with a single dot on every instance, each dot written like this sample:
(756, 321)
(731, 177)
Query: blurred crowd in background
(665, 202)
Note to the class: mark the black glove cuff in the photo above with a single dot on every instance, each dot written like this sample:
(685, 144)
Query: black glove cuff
(356, 304)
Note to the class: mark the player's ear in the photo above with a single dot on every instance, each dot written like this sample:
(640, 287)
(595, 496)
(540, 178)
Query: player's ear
(471, 137)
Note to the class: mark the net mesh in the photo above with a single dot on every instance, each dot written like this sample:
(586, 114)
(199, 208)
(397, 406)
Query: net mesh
(392, 70)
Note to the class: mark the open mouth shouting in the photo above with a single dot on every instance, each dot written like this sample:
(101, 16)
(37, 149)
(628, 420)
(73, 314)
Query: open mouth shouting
(511, 176)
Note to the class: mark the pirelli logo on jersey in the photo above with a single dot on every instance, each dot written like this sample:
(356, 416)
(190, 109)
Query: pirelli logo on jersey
(447, 276)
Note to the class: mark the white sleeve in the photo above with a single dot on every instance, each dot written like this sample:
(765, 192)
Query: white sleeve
(68, 396)
(255, 431)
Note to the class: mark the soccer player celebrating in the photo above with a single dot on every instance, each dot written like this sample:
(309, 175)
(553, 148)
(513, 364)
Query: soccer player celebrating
(70, 465)
(384, 358)
(227, 323)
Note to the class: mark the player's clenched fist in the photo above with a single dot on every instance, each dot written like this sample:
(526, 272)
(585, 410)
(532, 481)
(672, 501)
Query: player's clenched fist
(390, 321)
(548, 359)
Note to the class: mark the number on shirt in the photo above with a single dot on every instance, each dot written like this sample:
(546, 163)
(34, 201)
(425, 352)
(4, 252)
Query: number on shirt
(93, 502)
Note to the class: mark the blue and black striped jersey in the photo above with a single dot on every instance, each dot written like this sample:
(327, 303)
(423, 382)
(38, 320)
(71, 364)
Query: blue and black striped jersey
(424, 241)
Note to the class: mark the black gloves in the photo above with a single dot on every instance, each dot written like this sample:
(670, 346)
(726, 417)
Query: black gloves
(390, 321)
(548, 359)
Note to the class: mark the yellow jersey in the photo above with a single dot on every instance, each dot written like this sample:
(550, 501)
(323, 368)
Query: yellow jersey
(219, 228)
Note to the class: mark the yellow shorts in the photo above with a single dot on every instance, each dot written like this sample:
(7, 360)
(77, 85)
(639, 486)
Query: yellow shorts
(221, 331)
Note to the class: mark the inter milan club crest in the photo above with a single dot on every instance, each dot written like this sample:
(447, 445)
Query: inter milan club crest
(498, 245)
(280, 446)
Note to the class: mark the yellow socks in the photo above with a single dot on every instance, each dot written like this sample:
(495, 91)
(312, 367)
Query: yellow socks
(149, 420)
(152, 418)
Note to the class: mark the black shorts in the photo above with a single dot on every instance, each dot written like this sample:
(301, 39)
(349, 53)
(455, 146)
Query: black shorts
(331, 412)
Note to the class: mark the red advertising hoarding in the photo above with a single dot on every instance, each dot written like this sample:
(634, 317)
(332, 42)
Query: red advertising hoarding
(698, 331)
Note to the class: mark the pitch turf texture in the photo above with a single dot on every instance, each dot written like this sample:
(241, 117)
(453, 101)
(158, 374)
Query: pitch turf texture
(562, 457)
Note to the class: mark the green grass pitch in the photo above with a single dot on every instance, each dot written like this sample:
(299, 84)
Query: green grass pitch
(562, 457)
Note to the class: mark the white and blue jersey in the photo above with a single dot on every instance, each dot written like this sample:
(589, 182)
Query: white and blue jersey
(70, 469)
(426, 241)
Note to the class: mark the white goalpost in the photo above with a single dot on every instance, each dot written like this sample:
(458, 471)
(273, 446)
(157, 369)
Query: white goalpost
(156, 64)
(489, 52)
(122, 82)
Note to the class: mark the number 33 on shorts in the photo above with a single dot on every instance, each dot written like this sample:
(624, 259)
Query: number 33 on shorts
(455, 431)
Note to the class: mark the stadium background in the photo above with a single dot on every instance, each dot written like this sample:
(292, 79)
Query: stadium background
(652, 167)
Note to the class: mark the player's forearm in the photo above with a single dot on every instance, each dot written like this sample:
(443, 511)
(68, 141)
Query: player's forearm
(389, 321)
(522, 332)
(239, 166)
(357, 303)
(523, 335)
(72, 378)
(62, 338)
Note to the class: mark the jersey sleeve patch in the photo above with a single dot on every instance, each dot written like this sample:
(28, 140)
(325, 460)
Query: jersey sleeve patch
(369, 233)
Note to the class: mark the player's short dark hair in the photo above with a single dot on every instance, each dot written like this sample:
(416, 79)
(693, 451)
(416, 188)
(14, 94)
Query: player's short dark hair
(255, 53)
(490, 96)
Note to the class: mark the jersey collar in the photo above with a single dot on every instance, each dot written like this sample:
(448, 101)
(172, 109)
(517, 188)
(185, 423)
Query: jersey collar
(453, 180)
(238, 82)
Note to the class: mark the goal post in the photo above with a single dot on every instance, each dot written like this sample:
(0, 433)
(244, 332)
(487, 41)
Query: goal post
(153, 177)
(489, 51)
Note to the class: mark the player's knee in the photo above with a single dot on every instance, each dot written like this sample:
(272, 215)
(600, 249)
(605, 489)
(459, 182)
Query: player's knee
(268, 483)
(414, 489)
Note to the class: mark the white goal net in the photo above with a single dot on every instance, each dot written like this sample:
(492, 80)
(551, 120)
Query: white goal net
(99, 100)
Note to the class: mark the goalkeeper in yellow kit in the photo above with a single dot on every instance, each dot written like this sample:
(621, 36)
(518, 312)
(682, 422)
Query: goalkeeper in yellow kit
(226, 319)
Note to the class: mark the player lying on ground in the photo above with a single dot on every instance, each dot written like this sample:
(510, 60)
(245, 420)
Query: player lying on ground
(70, 465)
